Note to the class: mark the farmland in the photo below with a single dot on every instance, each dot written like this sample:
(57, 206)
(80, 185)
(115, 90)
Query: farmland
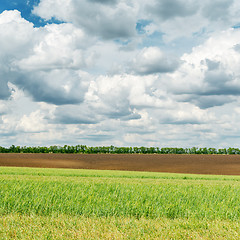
(217, 164)
(39, 203)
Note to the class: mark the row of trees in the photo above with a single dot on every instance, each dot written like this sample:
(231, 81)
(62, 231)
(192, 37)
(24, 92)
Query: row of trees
(117, 150)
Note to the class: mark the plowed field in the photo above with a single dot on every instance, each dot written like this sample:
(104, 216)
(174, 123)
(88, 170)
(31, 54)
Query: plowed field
(200, 164)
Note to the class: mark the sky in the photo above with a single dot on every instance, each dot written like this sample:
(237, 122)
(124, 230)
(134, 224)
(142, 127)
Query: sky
(163, 73)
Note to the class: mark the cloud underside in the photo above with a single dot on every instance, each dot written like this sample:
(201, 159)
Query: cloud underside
(111, 71)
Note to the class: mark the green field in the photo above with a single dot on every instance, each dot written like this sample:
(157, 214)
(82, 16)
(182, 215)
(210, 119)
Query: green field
(91, 204)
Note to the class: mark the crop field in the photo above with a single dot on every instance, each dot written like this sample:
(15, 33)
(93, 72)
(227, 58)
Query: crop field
(175, 163)
(37, 203)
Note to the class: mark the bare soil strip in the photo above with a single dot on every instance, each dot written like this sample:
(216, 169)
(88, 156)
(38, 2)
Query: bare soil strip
(198, 164)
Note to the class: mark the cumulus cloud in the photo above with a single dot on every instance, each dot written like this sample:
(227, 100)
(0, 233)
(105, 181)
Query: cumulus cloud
(119, 96)
(152, 60)
(205, 102)
(109, 96)
(105, 20)
(104, 1)
(168, 9)
(56, 86)
(34, 122)
(96, 79)
(217, 10)
(96, 137)
(72, 114)
(210, 71)
(191, 20)
(212, 65)
(59, 46)
(3, 108)
(16, 35)
(44, 62)
(4, 90)
(237, 47)
(14, 44)
(118, 19)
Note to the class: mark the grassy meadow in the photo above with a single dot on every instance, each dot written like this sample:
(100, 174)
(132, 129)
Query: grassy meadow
(92, 204)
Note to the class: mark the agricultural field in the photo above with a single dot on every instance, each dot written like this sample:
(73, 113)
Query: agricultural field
(38, 203)
(217, 164)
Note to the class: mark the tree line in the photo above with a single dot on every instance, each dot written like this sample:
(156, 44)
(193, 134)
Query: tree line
(83, 149)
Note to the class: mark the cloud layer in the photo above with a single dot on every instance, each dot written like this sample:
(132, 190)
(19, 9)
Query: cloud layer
(155, 73)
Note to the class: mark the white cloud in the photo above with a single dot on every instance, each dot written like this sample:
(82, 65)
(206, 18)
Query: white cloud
(217, 10)
(174, 18)
(170, 9)
(75, 114)
(108, 21)
(152, 60)
(117, 96)
(16, 35)
(95, 79)
(14, 43)
(210, 70)
(55, 86)
(32, 123)
(191, 20)
(59, 46)
(45, 62)
(187, 114)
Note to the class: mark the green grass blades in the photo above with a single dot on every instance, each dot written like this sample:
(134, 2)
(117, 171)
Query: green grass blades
(108, 174)
(18, 226)
(90, 204)
(110, 194)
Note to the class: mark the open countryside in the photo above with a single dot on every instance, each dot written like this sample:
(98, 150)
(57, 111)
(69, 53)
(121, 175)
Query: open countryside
(173, 163)
(39, 203)
(119, 119)
(157, 196)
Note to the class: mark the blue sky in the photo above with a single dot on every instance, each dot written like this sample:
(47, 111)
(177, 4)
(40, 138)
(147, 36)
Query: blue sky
(124, 73)
(26, 7)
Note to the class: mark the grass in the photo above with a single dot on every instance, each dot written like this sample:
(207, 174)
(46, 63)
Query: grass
(17, 226)
(91, 204)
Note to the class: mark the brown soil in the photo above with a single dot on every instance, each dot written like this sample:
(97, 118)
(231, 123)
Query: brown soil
(200, 164)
